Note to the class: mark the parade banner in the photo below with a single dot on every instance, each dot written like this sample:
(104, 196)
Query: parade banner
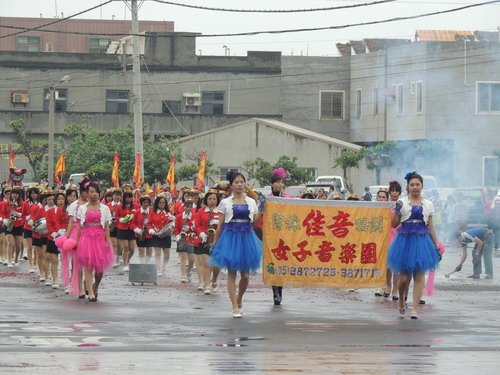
(325, 243)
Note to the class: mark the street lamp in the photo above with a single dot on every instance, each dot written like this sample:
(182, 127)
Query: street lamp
(52, 91)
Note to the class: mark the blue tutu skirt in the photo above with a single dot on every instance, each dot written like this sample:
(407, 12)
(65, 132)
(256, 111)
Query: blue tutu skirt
(237, 249)
(412, 251)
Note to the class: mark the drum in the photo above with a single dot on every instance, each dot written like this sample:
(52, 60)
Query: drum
(40, 226)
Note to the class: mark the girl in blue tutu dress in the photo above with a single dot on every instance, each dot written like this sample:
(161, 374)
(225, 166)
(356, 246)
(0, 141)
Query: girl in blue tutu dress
(414, 250)
(237, 247)
(94, 253)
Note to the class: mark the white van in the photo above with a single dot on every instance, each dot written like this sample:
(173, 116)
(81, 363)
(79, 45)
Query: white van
(337, 181)
(74, 178)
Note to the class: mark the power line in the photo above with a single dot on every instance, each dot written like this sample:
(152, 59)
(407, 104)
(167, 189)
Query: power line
(338, 27)
(283, 31)
(232, 10)
(56, 21)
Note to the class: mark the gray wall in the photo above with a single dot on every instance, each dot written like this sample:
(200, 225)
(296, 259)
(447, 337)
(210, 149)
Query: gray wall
(302, 80)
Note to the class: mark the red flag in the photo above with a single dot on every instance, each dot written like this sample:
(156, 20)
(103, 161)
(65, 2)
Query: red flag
(137, 171)
(171, 174)
(60, 168)
(114, 174)
(200, 184)
(12, 155)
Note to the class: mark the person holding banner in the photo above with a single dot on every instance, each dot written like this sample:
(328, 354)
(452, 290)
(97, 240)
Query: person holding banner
(278, 177)
(237, 247)
(414, 251)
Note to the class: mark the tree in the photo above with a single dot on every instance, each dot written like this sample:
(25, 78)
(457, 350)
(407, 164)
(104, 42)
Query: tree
(91, 152)
(190, 171)
(260, 170)
(349, 159)
(33, 150)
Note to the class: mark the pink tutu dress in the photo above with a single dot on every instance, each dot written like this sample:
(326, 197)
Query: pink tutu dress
(93, 253)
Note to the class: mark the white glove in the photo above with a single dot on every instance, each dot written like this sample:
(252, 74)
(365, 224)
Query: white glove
(17, 214)
(5, 222)
(54, 235)
(27, 218)
(203, 237)
(138, 231)
(178, 237)
(30, 222)
(172, 218)
(61, 232)
(152, 232)
(122, 220)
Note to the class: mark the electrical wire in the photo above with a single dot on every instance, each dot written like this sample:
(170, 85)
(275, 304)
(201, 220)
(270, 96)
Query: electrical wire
(339, 27)
(275, 32)
(232, 10)
(54, 22)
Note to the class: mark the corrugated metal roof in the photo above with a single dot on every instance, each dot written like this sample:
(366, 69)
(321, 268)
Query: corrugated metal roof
(440, 35)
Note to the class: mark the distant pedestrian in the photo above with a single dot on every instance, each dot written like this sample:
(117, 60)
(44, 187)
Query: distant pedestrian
(367, 196)
(483, 240)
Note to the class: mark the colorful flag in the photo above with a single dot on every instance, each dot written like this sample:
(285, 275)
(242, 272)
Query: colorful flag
(171, 174)
(60, 168)
(114, 174)
(12, 155)
(200, 184)
(137, 171)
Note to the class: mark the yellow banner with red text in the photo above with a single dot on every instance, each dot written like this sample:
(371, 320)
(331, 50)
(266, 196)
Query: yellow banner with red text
(336, 244)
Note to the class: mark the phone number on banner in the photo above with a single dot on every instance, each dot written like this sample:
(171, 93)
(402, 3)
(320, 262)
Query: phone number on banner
(351, 273)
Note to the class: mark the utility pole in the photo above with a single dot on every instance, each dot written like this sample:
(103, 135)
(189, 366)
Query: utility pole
(137, 95)
(50, 168)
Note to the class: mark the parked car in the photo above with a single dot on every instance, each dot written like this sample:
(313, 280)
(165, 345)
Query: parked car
(338, 182)
(295, 191)
(265, 190)
(475, 198)
(74, 178)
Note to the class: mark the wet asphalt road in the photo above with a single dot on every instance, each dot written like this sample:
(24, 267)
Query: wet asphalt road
(174, 328)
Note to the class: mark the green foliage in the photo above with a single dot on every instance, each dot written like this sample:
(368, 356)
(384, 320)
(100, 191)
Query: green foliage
(189, 172)
(260, 170)
(349, 159)
(33, 150)
(381, 155)
(496, 153)
(90, 152)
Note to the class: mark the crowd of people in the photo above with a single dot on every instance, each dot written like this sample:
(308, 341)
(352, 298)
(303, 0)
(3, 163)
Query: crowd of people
(83, 231)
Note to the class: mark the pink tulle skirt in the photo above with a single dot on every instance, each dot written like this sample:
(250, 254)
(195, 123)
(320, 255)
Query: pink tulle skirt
(92, 252)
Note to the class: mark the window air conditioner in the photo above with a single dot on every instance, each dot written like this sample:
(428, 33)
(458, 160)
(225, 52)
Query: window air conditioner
(192, 99)
(20, 97)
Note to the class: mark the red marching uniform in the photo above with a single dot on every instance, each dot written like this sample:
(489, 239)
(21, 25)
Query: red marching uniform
(27, 204)
(138, 222)
(7, 209)
(159, 219)
(184, 225)
(120, 213)
(205, 221)
(37, 212)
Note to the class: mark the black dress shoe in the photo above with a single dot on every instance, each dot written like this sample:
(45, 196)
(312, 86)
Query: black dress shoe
(82, 296)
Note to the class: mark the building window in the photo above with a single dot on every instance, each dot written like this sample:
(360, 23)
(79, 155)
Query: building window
(488, 97)
(419, 96)
(117, 101)
(399, 98)
(212, 103)
(331, 105)
(60, 100)
(28, 44)
(375, 101)
(171, 107)
(358, 103)
(98, 45)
